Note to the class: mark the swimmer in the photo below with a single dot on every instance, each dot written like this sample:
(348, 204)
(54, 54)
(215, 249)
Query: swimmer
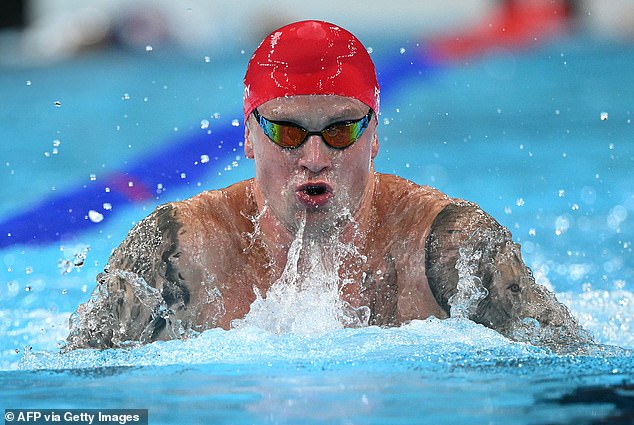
(311, 102)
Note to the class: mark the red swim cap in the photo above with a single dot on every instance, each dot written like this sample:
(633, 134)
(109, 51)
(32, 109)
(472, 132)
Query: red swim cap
(310, 57)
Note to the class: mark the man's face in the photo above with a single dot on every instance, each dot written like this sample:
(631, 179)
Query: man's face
(314, 180)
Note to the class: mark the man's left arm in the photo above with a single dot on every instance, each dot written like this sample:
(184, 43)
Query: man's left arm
(476, 271)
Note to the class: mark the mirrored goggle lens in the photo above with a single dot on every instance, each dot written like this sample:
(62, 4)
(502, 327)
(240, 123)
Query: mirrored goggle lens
(285, 136)
(343, 135)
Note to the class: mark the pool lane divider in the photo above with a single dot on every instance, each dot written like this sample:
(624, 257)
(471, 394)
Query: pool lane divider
(199, 154)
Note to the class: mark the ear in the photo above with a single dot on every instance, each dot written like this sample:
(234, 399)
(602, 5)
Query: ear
(375, 144)
(248, 143)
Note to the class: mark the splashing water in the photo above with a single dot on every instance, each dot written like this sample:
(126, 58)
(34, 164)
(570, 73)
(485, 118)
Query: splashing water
(306, 299)
(470, 290)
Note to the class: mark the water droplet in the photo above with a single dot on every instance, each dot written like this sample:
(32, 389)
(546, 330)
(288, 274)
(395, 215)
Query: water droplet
(28, 82)
(370, 50)
(604, 116)
(235, 123)
(183, 175)
(207, 59)
(532, 232)
(204, 158)
(148, 48)
(28, 270)
(107, 206)
(126, 96)
(520, 202)
(204, 124)
(130, 184)
(93, 177)
(402, 50)
(562, 193)
(64, 291)
(95, 217)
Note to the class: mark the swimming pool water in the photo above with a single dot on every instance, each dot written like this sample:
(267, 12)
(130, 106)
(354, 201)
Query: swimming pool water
(541, 139)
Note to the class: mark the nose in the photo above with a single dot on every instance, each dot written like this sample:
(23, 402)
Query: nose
(315, 155)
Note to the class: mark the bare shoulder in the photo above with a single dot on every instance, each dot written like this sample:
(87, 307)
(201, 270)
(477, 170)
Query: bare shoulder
(417, 205)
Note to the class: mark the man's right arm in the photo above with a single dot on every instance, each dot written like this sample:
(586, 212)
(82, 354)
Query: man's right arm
(132, 301)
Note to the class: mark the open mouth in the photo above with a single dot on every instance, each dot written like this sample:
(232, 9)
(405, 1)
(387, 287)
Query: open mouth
(314, 190)
(314, 194)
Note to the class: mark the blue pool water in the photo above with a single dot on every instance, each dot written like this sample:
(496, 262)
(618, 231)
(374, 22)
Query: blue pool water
(541, 139)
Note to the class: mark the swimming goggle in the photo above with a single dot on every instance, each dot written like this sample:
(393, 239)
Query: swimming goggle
(289, 135)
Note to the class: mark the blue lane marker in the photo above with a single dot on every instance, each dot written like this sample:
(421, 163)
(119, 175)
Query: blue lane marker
(62, 216)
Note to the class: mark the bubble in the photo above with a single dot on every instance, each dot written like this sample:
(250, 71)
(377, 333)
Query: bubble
(107, 206)
(520, 202)
(148, 48)
(207, 59)
(183, 175)
(28, 82)
(126, 96)
(57, 103)
(204, 124)
(95, 217)
(616, 216)
(562, 224)
(204, 158)
(235, 123)
(93, 177)
(562, 193)
(402, 50)
(604, 116)
(588, 195)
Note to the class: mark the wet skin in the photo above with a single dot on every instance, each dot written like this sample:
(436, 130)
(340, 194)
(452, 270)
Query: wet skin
(196, 264)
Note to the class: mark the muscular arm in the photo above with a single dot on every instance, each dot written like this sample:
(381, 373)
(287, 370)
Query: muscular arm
(138, 291)
(475, 271)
